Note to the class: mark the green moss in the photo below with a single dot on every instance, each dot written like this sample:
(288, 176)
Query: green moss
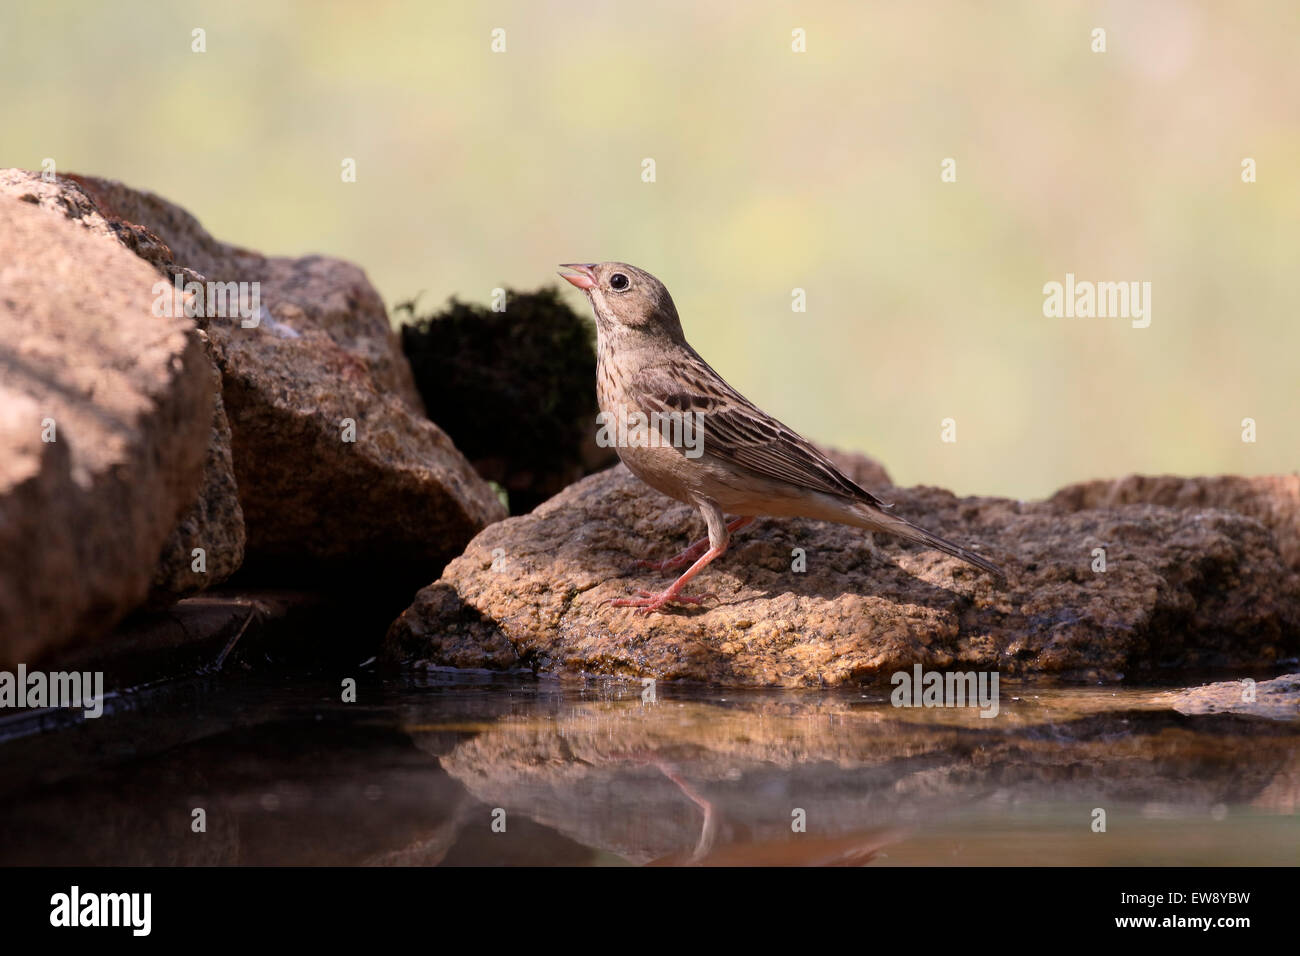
(515, 390)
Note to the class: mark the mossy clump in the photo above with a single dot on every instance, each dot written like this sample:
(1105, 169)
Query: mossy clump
(515, 390)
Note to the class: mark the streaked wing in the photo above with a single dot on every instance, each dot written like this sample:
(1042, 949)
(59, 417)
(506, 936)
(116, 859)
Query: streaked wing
(736, 430)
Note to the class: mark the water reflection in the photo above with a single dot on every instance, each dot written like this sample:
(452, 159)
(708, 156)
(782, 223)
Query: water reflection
(430, 769)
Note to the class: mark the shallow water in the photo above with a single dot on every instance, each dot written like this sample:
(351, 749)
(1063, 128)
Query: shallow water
(442, 768)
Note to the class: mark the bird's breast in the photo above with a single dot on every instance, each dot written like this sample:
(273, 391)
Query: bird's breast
(623, 425)
(607, 391)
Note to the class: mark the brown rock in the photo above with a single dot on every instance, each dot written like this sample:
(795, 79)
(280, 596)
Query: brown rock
(83, 518)
(1273, 500)
(1182, 588)
(314, 291)
(63, 197)
(1278, 699)
(319, 355)
(214, 522)
(335, 462)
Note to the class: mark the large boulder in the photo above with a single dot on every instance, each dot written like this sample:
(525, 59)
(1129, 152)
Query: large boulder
(319, 292)
(320, 457)
(214, 521)
(338, 469)
(127, 400)
(1182, 587)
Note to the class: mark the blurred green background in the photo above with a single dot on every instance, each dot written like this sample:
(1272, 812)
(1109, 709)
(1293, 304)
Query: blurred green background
(775, 170)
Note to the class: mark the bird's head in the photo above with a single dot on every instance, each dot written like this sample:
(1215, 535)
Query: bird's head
(626, 298)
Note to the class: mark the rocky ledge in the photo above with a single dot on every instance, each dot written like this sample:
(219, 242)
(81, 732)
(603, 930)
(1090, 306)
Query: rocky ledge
(1105, 580)
(259, 419)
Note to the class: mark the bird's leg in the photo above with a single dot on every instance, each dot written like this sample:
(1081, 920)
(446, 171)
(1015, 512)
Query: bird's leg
(650, 601)
(691, 553)
(719, 538)
(710, 829)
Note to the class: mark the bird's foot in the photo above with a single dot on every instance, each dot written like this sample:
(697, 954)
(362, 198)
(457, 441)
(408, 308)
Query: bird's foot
(691, 554)
(649, 601)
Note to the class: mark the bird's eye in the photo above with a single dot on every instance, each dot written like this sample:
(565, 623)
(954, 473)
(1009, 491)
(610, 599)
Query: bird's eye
(618, 282)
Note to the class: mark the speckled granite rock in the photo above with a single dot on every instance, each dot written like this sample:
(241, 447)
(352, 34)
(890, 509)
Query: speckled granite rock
(65, 198)
(214, 520)
(335, 461)
(336, 465)
(1183, 587)
(317, 292)
(129, 398)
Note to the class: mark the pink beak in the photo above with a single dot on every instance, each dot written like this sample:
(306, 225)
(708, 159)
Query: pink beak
(585, 280)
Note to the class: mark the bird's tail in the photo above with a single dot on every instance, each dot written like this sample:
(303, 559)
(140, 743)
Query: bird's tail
(893, 524)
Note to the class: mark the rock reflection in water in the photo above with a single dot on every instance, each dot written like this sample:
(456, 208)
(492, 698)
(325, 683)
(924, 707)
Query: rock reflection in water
(691, 781)
(586, 773)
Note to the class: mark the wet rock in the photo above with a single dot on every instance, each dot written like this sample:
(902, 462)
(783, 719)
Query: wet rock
(1278, 699)
(127, 399)
(1182, 587)
(514, 390)
(225, 630)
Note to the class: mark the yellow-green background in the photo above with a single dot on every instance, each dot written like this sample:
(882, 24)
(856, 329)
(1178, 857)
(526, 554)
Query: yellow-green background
(775, 170)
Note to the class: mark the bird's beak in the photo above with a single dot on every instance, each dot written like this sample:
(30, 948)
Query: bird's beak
(586, 279)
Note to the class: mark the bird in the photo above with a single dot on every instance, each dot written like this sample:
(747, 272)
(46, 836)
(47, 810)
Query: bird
(696, 439)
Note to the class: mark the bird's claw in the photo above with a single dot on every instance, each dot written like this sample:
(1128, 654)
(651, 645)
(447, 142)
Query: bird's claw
(650, 601)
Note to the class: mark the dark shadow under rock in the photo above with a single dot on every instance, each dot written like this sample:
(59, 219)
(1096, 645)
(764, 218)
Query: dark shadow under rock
(515, 389)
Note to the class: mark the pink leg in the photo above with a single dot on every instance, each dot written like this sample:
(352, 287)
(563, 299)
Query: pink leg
(692, 553)
(710, 829)
(648, 602)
